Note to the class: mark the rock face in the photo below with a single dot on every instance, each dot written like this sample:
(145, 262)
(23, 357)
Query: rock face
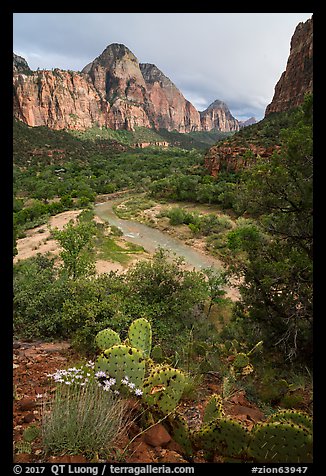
(234, 158)
(20, 65)
(58, 99)
(116, 76)
(217, 116)
(167, 107)
(112, 91)
(297, 79)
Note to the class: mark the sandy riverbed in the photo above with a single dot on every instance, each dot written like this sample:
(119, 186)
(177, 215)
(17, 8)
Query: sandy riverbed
(38, 240)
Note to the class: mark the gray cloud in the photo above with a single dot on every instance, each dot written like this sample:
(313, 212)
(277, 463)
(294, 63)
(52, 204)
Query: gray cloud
(234, 57)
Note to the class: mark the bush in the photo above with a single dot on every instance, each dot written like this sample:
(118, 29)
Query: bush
(38, 298)
(176, 216)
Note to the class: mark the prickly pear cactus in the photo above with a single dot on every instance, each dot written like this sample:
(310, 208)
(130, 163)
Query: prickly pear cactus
(295, 416)
(23, 447)
(140, 335)
(163, 388)
(121, 361)
(213, 408)
(241, 360)
(181, 433)
(106, 339)
(224, 436)
(280, 442)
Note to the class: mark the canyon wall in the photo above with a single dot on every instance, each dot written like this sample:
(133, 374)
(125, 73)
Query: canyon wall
(114, 91)
(297, 79)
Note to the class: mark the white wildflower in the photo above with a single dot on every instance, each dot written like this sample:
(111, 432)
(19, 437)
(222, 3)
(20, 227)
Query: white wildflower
(100, 373)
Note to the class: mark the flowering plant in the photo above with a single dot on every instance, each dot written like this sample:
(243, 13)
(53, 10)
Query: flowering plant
(81, 376)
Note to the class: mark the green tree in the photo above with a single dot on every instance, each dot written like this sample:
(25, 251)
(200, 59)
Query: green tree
(215, 281)
(76, 241)
(164, 291)
(39, 295)
(277, 270)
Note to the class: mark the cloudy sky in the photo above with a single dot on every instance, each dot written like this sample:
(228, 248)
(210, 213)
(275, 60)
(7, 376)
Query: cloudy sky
(234, 57)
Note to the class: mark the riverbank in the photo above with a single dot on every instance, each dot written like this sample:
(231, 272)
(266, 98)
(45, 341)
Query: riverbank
(145, 229)
(39, 240)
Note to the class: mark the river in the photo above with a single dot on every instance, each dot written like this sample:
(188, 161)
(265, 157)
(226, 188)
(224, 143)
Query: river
(151, 239)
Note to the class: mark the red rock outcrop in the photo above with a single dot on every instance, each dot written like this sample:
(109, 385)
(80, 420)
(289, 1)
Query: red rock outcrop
(58, 99)
(290, 90)
(217, 116)
(232, 158)
(297, 79)
(166, 106)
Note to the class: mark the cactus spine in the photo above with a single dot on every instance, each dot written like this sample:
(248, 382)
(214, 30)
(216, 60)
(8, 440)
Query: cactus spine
(294, 416)
(181, 433)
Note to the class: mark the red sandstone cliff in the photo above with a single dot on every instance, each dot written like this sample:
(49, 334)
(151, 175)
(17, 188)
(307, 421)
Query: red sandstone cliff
(232, 158)
(166, 106)
(58, 99)
(217, 116)
(297, 79)
(294, 83)
(112, 91)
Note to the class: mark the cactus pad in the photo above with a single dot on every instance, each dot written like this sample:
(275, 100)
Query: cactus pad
(163, 388)
(294, 416)
(23, 447)
(213, 408)
(121, 361)
(281, 442)
(140, 335)
(241, 360)
(106, 339)
(181, 434)
(224, 436)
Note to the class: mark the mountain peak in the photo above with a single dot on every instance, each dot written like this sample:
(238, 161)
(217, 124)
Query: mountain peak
(218, 116)
(217, 104)
(112, 53)
(248, 122)
(20, 65)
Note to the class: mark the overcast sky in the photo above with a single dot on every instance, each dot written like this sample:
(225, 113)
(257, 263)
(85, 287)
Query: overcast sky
(235, 57)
